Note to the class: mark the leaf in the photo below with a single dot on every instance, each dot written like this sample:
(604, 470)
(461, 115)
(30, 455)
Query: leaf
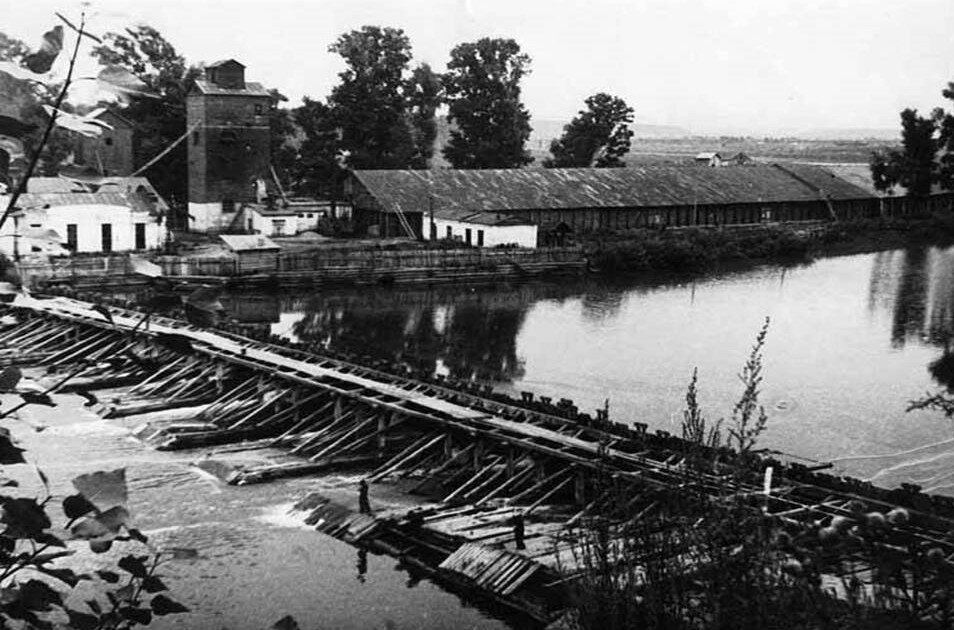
(100, 546)
(67, 576)
(114, 518)
(134, 565)
(9, 453)
(37, 595)
(42, 60)
(77, 506)
(47, 538)
(89, 528)
(108, 576)
(24, 518)
(153, 584)
(9, 378)
(37, 398)
(82, 621)
(141, 616)
(120, 81)
(162, 605)
(286, 623)
(103, 488)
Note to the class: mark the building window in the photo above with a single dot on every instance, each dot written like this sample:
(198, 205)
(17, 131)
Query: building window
(195, 137)
(278, 227)
(450, 232)
(36, 225)
(433, 231)
(311, 215)
(228, 205)
(228, 137)
(107, 234)
(467, 236)
(108, 141)
(258, 110)
(480, 238)
(71, 236)
(140, 236)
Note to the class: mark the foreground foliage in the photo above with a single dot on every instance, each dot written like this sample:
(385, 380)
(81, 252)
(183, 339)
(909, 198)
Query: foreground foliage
(699, 559)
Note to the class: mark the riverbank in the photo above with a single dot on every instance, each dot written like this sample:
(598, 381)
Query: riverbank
(695, 250)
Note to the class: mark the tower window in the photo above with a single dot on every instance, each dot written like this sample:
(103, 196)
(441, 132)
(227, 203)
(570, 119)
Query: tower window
(108, 141)
(195, 137)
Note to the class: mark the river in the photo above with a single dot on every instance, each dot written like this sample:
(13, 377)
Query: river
(851, 340)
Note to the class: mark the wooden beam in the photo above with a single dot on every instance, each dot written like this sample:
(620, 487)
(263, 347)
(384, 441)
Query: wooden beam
(406, 456)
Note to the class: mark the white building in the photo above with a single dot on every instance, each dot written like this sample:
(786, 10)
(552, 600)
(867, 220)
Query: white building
(114, 215)
(483, 229)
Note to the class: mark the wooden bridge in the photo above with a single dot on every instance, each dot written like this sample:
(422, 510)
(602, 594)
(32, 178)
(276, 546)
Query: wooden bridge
(477, 459)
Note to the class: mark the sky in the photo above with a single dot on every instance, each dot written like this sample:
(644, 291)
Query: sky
(759, 67)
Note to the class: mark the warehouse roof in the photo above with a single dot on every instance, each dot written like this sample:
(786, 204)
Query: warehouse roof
(458, 193)
(251, 89)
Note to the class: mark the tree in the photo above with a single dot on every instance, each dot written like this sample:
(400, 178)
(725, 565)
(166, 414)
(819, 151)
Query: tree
(283, 139)
(482, 88)
(423, 98)
(598, 136)
(145, 53)
(369, 106)
(317, 168)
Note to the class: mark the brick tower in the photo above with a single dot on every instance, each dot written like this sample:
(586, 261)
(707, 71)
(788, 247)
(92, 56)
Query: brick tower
(229, 147)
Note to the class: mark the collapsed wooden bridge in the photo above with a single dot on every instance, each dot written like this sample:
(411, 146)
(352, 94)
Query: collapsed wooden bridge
(480, 459)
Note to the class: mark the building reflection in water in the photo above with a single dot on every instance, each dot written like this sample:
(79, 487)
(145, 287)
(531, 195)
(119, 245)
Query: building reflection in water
(464, 333)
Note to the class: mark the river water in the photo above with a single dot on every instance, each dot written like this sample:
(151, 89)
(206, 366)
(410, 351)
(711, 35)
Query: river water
(851, 340)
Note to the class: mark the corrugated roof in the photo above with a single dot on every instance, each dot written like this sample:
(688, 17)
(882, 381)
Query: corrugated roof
(250, 89)
(30, 201)
(459, 193)
(248, 242)
(129, 189)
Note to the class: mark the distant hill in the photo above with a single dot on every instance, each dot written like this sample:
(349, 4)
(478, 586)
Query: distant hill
(849, 133)
(545, 130)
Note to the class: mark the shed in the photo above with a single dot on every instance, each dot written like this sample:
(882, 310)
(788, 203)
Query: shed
(253, 252)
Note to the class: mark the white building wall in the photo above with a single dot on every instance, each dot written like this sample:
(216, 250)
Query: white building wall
(88, 219)
(209, 217)
(271, 225)
(494, 235)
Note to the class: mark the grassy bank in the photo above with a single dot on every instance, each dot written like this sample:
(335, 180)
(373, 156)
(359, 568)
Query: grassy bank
(699, 249)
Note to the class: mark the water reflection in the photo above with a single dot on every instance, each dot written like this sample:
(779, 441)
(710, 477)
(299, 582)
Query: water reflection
(467, 334)
(917, 285)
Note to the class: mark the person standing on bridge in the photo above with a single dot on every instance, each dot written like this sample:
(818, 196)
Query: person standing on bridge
(518, 530)
(364, 506)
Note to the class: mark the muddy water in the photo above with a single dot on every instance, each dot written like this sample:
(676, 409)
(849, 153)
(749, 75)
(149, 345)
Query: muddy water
(852, 339)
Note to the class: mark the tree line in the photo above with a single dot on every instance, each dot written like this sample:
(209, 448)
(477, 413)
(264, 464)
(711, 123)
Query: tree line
(382, 114)
(926, 156)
